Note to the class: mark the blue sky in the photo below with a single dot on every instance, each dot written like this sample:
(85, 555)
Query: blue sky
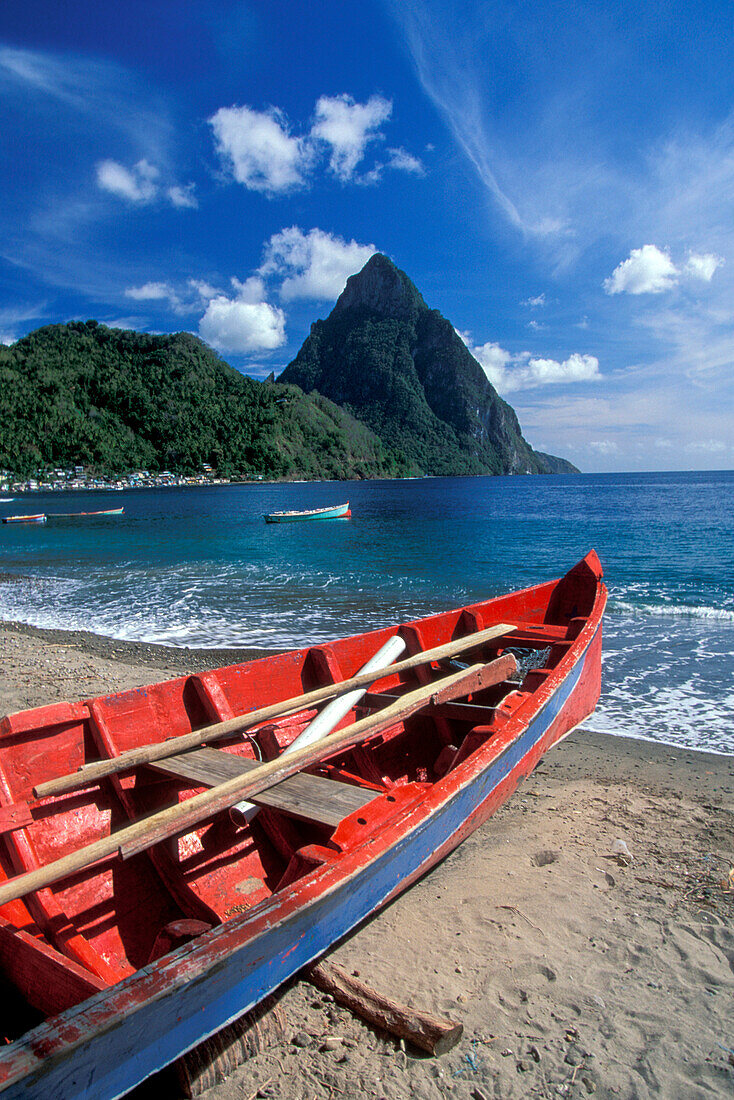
(557, 179)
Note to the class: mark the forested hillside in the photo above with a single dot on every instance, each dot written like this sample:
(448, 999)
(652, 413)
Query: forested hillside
(118, 400)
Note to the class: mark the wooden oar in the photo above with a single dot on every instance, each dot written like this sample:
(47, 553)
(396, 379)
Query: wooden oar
(185, 815)
(158, 750)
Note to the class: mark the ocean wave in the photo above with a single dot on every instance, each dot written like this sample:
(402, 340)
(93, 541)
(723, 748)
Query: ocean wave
(681, 611)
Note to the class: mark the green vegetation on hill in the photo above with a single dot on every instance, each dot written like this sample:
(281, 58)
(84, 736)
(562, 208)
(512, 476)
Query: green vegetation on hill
(117, 400)
(401, 368)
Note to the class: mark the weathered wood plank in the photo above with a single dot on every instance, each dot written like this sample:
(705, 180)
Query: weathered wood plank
(308, 797)
(15, 816)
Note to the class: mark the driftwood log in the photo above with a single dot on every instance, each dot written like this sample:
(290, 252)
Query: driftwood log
(434, 1034)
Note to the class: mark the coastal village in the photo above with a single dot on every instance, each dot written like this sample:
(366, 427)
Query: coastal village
(83, 478)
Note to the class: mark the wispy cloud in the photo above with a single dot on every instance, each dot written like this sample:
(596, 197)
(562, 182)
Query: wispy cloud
(141, 184)
(445, 65)
(137, 184)
(403, 161)
(158, 292)
(646, 410)
(96, 135)
(703, 266)
(183, 196)
(106, 94)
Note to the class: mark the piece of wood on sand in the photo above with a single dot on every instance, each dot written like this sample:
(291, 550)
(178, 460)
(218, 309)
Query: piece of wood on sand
(434, 1034)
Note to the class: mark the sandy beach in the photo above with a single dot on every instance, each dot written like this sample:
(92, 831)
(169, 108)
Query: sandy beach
(573, 972)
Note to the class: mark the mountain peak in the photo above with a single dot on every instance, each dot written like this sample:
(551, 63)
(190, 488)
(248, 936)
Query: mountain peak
(401, 369)
(382, 288)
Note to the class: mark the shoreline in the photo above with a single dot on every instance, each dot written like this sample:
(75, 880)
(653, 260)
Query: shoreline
(571, 973)
(180, 658)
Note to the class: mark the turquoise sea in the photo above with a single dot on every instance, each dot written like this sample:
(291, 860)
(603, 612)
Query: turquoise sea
(200, 567)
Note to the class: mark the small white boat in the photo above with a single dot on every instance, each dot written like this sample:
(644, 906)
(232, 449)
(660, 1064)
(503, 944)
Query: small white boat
(40, 518)
(6, 500)
(339, 511)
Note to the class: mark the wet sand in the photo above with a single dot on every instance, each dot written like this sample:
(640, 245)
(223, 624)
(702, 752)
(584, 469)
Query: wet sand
(572, 973)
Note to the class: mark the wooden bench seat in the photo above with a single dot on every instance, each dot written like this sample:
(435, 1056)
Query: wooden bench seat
(308, 797)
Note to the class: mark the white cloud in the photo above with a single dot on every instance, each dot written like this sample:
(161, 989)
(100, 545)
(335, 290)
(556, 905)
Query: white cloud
(149, 292)
(603, 446)
(647, 270)
(708, 446)
(157, 292)
(314, 265)
(703, 265)
(509, 372)
(244, 323)
(137, 184)
(7, 339)
(534, 303)
(203, 289)
(403, 161)
(348, 127)
(141, 184)
(261, 153)
(183, 196)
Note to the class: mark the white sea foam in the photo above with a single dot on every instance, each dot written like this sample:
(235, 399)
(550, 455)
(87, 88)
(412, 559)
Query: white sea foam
(680, 611)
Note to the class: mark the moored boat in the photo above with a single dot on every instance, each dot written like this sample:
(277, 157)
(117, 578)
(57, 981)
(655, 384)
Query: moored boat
(39, 518)
(236, 874)
(86, 515)
(338, 511)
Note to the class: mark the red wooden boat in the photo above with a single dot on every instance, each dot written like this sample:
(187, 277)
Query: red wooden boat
(137, 959)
